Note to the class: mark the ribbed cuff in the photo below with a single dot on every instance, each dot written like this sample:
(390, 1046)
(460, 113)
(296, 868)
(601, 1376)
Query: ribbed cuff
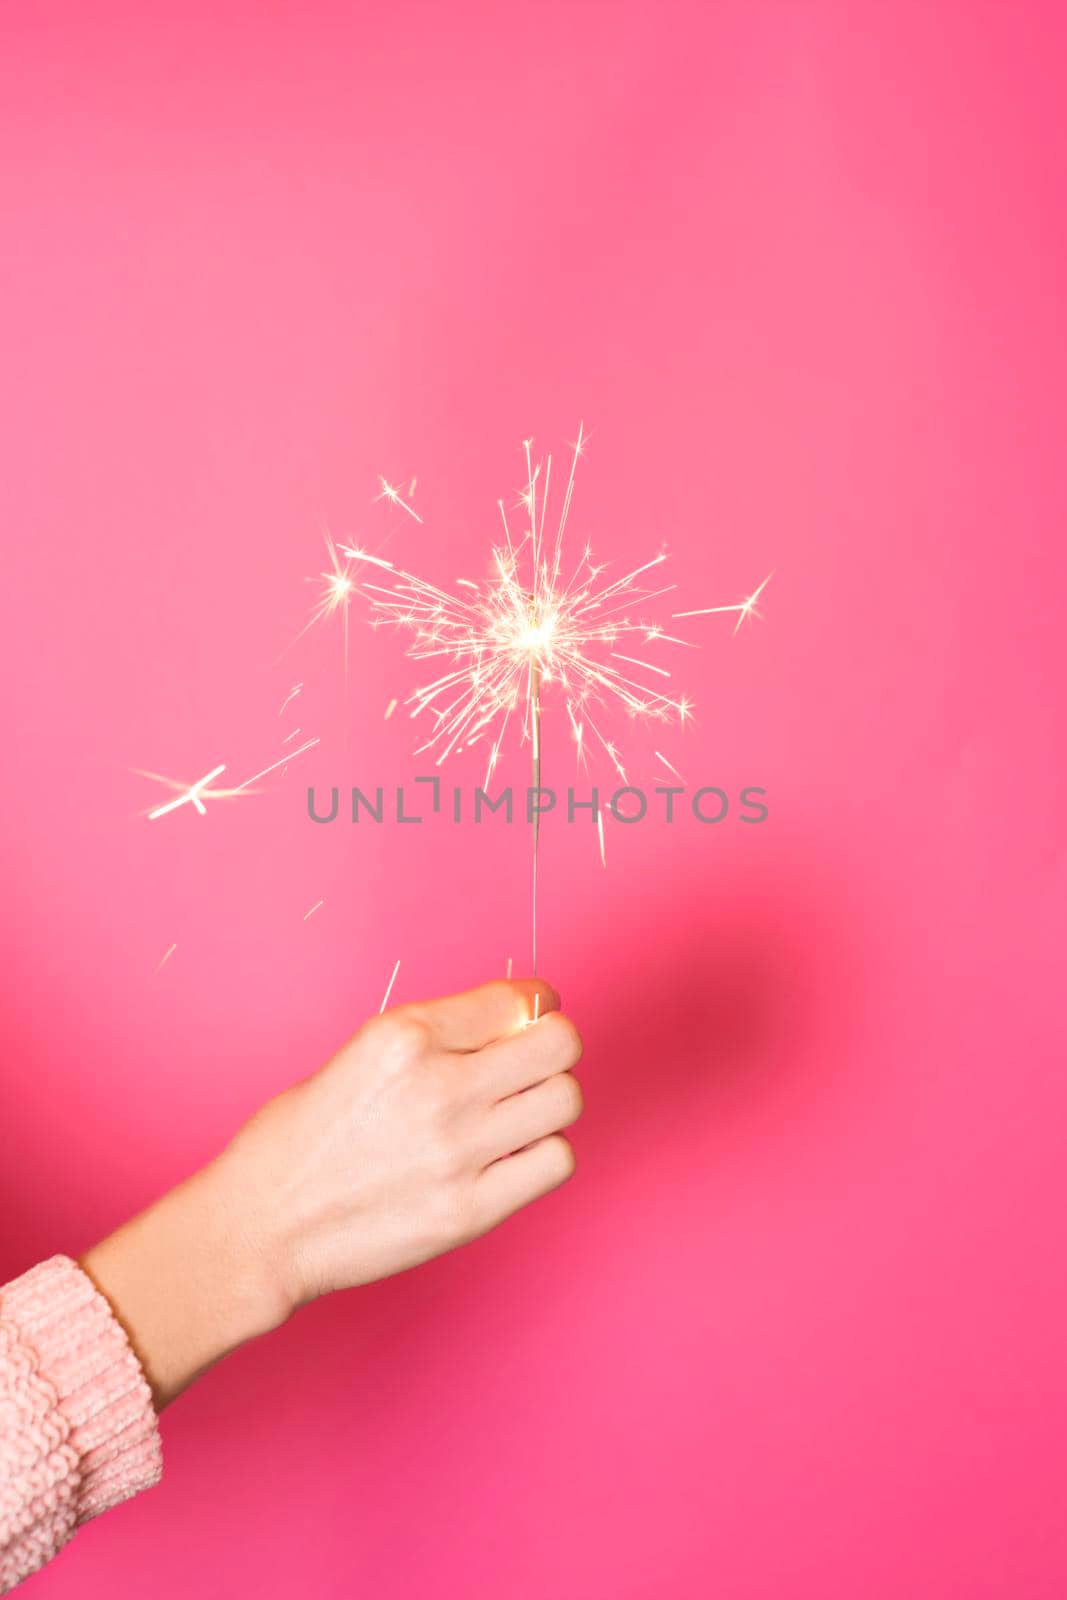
(102, 1399)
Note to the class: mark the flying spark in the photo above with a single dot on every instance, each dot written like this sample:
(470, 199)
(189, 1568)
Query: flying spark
(392, 494)
(193, 795)
(746, 609)
(166, 957)
(336, 590)
(389, 989)
(668, 764)
(197, 793)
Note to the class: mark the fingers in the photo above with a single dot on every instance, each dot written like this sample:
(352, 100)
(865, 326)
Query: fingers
(480, 1016)
(524, 1118)
(547, 1047)
(508, 1185)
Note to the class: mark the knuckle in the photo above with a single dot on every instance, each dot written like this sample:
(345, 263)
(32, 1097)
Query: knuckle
(498, 991)
(499, 997)
(401, 1038)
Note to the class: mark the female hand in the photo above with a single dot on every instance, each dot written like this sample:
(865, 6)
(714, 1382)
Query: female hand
(430, 1126)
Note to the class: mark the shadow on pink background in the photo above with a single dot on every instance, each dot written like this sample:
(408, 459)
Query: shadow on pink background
(797, 1328)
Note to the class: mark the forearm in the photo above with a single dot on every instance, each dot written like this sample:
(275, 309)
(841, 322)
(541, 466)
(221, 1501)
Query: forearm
(189, 1279)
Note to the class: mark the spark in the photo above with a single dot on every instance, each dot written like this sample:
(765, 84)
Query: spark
(668, 764)
(310, 912)
(389, 989)
(647, 665)
(337, 588)
(195, 794)
(242, 787)
(290, 736)
(392, 494)
(509, 966)
(746, 609)
(166, 958)
(390, 708)
(356, 553)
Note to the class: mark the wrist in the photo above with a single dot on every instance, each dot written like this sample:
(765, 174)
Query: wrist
(189, 1279)
(240, 1222)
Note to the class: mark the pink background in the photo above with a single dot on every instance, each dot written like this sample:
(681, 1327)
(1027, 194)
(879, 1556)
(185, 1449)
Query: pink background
(798, 1326)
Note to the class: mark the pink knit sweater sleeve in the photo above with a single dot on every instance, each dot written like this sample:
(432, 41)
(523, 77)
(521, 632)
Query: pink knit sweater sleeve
(77, 1427)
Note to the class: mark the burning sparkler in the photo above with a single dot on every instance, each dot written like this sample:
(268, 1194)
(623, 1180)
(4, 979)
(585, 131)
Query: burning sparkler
(539, 624)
